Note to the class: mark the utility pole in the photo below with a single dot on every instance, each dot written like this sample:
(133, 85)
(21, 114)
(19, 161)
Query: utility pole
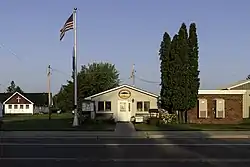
(133, 74)
(49, 94)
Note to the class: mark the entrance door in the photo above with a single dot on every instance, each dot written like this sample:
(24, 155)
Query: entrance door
(123, 113)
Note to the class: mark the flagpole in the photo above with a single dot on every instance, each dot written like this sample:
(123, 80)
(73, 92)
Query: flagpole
(76, 121)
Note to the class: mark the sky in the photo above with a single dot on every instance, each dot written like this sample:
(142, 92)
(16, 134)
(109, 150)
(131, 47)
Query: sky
(122, 32)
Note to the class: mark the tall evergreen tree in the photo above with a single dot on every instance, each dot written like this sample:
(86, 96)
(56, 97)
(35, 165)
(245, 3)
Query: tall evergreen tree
(193, 63)
(166, 84)
(174, 76)
(182, 92)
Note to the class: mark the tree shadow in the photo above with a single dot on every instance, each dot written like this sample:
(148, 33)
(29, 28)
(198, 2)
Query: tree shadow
(62, 124)
(204, 147)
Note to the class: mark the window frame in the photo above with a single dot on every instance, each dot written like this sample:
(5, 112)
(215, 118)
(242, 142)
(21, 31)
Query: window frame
(141, 106)
(15, 106)
(216, 108)
(144, 106)
(105, 104)
(199, 108)
(104, 110)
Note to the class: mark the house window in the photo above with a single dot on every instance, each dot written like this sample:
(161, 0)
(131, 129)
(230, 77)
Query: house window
(104, 106)
(10, 106)
(100, 105)
(143, 106)
(107, 105)
(27, 106)
(202, 109)
(15, 106)
(146, 106)
(21, 106)
(139, 106)
(220, 108)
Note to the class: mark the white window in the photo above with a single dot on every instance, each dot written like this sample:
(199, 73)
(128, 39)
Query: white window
(139, 106)
(21, 106)
(104, 105)
(146, 106)
(15, 106)
(220, 108)
(143, 106)
(202, 110)
(27, 106)
(9, 106)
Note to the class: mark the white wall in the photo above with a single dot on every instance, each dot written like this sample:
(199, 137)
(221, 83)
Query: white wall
(135, 96)
(18, 110)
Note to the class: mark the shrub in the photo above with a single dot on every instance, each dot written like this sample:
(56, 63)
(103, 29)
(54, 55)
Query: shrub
(167, 118)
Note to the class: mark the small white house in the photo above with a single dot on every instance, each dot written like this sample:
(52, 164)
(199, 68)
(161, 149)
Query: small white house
(124, 102)
(27, 103)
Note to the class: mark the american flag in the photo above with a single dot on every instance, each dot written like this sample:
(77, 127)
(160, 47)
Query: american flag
(69, 24)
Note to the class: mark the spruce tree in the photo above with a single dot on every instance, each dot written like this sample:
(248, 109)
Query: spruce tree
(183, 79)
(193, 63)
(166, 91)
(176, 74)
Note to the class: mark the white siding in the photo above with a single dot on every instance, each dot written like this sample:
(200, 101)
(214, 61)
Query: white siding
(18, 110)
(133, 99)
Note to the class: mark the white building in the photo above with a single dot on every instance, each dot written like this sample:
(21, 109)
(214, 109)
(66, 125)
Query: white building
(124, 102)
(27, 103)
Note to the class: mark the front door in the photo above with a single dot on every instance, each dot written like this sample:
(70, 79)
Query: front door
(123, 113)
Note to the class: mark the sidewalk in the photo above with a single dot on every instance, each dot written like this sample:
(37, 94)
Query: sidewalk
(138, 134)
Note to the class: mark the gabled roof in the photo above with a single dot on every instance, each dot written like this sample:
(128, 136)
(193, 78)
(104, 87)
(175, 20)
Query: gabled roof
(236, 84)
(39, 99)
(19, 95)
(123, 86)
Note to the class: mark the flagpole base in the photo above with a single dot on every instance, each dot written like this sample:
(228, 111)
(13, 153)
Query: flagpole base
(75, 121)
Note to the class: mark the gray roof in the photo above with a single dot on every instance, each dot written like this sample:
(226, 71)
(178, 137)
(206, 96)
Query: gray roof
(238, 83)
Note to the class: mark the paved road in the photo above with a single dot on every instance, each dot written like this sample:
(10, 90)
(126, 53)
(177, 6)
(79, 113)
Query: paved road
(72, 152)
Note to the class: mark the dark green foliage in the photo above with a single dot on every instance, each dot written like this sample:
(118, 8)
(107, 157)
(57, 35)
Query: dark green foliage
(179, 71)
(92, 79)
(166, 84)
(13, 88)
(194, 82)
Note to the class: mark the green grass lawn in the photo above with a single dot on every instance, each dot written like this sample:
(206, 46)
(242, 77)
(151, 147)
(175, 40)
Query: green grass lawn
(58, 122)
(194, 127)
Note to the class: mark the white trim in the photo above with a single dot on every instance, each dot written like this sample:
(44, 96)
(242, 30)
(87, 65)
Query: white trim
(199, 113)
(105, 112)
(119, 87)
(234, 86)
(211, 92)
(142, 112)
(20, 95)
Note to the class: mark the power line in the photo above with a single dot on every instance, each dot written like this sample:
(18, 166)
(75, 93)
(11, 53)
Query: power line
(144, 80)
(3, 46)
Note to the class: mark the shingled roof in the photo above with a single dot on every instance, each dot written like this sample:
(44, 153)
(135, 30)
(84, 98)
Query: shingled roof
(236, 84)
(39, 99)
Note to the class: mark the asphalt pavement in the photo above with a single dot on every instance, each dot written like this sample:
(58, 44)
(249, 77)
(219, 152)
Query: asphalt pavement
(76, 152)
